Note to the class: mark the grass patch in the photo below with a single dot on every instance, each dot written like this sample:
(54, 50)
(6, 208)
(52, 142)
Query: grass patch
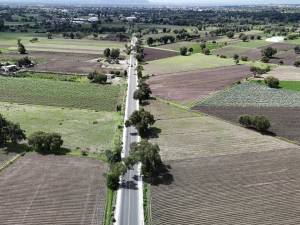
(110, 199)
(251, 44)
(186, 63)
(60, 93)
(289, 85)
(80, 129)
(147, 204)
(53, 76)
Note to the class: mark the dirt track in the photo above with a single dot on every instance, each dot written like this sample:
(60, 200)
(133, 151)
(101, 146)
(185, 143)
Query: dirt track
(39, 190)
(244, 189)
(190, 86)
(285, 121)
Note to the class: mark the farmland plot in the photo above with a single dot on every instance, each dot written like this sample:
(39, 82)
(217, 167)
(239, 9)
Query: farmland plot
(60, 93)
(250, 94)
(191, 86)
(186, 134)
(250, 188)
(155, 53)
(52, 190)
(179, 64)
(285, 73)
(284, 120)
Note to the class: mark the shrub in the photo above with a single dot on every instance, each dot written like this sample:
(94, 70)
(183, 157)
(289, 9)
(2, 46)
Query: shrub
(46, 142)
(183, 51)
(272, 82)
(26, 62)
(260, 123)
(297, 63)
(223, 56)
(206, 51)
(100, 79)
(244, 58)
(265, 59)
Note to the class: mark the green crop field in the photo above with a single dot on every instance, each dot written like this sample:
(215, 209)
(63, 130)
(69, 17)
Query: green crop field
(80, 128)
(186, 63)
(195, 45)
(60, 93)
(251, 94)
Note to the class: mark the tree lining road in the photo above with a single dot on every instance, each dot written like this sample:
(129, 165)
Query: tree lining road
(129, 206)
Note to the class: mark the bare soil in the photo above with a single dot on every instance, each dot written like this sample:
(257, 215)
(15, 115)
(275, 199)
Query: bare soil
(51, 189)
(285, 121)
(60, 61)
(243, 189)
(155, 54)
(195, 85)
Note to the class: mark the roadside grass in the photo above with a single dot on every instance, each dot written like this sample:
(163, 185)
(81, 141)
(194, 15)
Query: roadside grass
(109, 211)
(147, 204)
(60, 93)
(80, 128)
(186, 63)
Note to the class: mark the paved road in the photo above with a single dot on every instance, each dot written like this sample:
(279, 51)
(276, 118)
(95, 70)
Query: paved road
(129, 208)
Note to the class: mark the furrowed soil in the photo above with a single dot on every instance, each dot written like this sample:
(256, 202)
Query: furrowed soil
(154, 54)
(191, 86)
(63, 62)
(285, 121)
(250, 188)
(285, 73)
(52, 190)
(183, 135)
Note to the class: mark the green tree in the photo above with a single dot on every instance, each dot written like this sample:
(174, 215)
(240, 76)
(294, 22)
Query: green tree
(143, 92)
(230, 34)
(236, 58)
(115, 53)
(206, 51)
(46, 142)
(21, 47)
(150, 41)
(141, 120)
(202, 46)
(106, 52)
(10, 131)
(113, 177)
(183, 51)
(149, 156)
(272, 82)
(268, 52)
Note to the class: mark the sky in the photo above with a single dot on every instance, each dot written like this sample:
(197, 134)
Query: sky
(184, 2)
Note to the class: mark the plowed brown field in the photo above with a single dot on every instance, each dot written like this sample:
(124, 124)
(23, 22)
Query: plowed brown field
(154, 54)
(243, 189)
(285, 121)
(191, 86)
(38, 190)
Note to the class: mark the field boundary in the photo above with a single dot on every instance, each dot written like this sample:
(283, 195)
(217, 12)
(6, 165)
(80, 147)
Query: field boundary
(11, 161)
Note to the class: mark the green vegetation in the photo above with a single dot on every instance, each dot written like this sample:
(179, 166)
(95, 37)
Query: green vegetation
(285, 84)
(48, 143)
(59, 93)
(147, 203)
(80, 128)
(10, 132)
(182, 63)
(52, 76)
(110, 199)
(251, 94)
(260, 123)
(272, 82)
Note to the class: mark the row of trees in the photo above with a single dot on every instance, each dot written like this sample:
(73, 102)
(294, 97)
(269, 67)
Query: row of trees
(259, 123)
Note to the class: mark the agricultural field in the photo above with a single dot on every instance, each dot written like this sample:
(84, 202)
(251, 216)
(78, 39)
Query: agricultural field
(155, 54)
(287, 73)
(186, 135)
(60, 93)
(256, 95)
(179, 64)
(284, 84)
(62, 62)
(230, 50)
(188, 87)
(52, 189)
(85, 46)
(80, 128)
(246, 188)
(284, 120)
